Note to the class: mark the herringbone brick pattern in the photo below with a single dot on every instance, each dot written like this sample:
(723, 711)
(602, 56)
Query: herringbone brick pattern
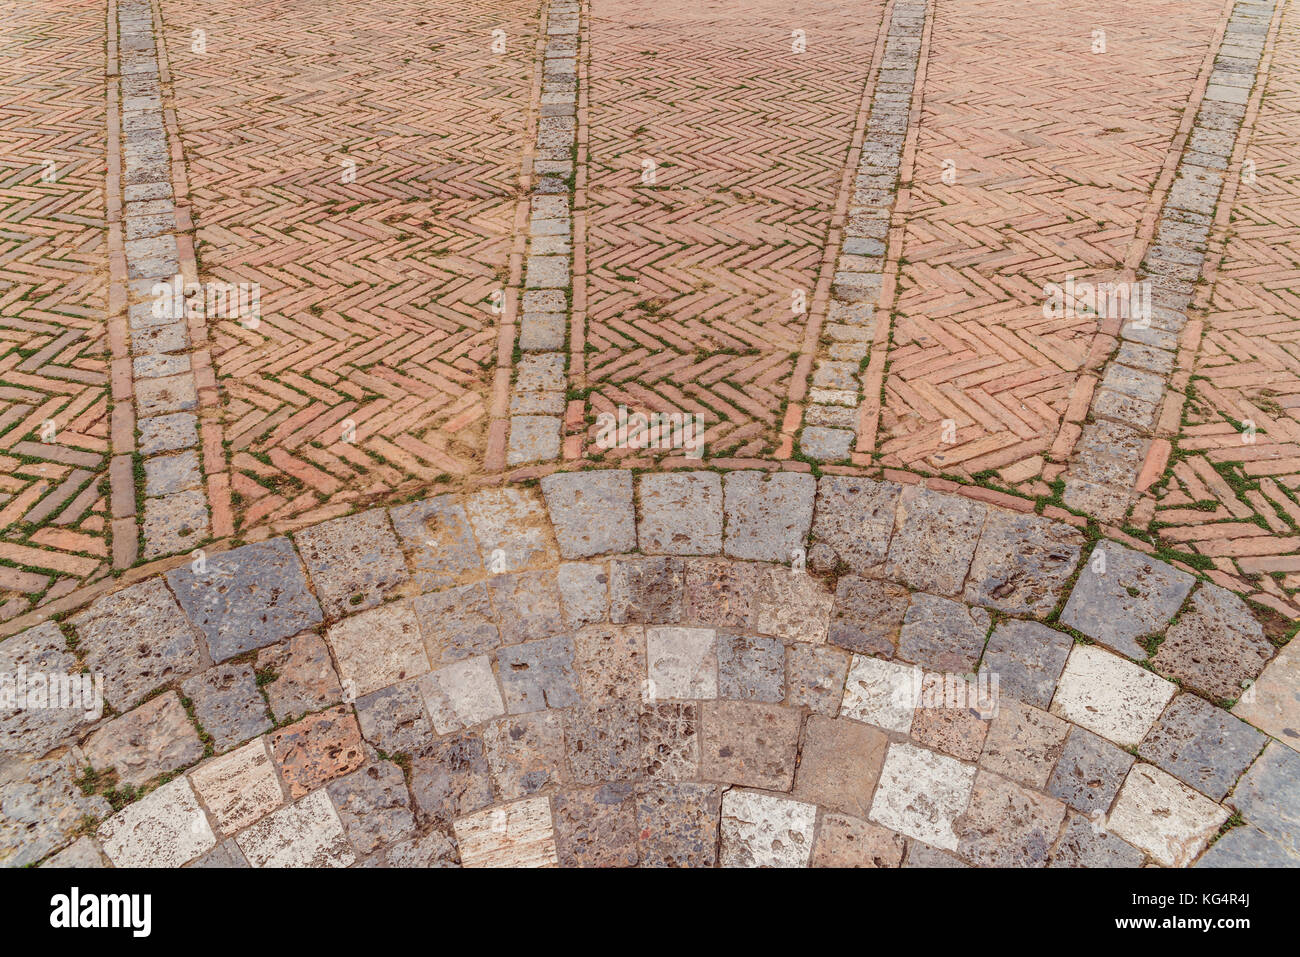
(1231, 494)
(369, 369)
(53, 279)
(691, 278)
(1053, 150)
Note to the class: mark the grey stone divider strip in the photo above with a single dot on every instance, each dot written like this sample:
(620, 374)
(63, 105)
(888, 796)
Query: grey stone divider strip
(830, 421)
(607, 546)
(176, 513)
(537, 399)
(1125, 408)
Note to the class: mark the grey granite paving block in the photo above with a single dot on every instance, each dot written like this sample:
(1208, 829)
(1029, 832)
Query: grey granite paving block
(451, 777)
(537, 403)
(437, 540)
(41, 807)
(923, 855)
(1022, 563)
(538, 674)
(36, 666)
(159, 366)
(1007, 825)
(1248, 846)
(168, 433)
(138, 639)
(1267, 795)
(247, 598)
(155, 738)
(855, 517)
(681, 513)
(768, 517)
(81, 853)
(170, 337)
(1201, 745)
(943, 635)
(548, 272)
(373, 805)
(227, 704)
(457, 623)
(604, 743)
(301, 674)
(596, 828)
(751, 668)
(542, 331)
(816, 676)
(1124, 597)
(584, 593)
(826, 445)
(394, 720)
(533, 438)
(526, 605)
(165, 474)
(646, 590)
(592, 512)
(168, 394)
(1089, 773)
(934, 540)
(867, 616)
(1085, 843)
(354, 562)
(1216, 646)
(1027, 659)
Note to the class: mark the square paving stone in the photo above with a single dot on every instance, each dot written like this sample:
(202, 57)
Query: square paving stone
(462, 694)
(943, 635)
(301, 676)
(317, 749)
(816, 676)
(855, 517)
(750, 744)
(306, 834)
(138, 639)
(677, 824)
(1084, 843)
(457, 623)
(227, 704)
(851, 842)
(826, 445)
(166, 474)
(239, 788)
(751, 668)
(451, 777)
(792, 604)
(165, 828)
(670, 740)
(1266, 795)
(881, 693)
(27, 724)
(867, 615)
(1022, 563)
(394, 719)
(439, 544)
(539, 674)
(721, 593)
(434, 848)
(373, 806)
(512, 528)
(155, 738)
(768, 516)
(1248, 847)
(762, 830)
(948, 718)
(1027, 659)
(681, 663)
(584, 593)
(1202, 745)
(1024, 743)
(1135, 596)
(1217, 647)
(534, 438)
(174, 523)
(247, 598)
(1007, 825)
(354, 561)
(526, 605)
(1164, 817)
(1272, 703)
(934, 540)
(646, 589)
(920, 794)
(1110, 696)
(83, 853)
(839, 763)
(681, 513)
(515, 835)
(378, 648)
(592, 512)
(42, 808)
(923, 855)
(168, 433)
(1089, 773)
(611, 662)
(604, 743)
(525, 752)
(596, 828)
